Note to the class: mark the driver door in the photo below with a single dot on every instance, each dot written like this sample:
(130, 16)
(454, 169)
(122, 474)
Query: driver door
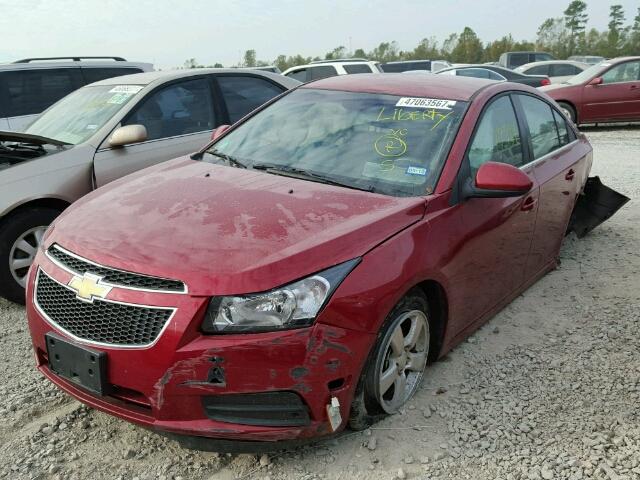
(617, 97)
(179, 119)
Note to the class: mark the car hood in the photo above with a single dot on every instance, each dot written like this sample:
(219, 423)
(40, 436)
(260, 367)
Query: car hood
(224, 230)
(28, 138)
(556, 86)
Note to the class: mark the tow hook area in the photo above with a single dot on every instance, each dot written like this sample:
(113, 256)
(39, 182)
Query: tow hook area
(596, 204)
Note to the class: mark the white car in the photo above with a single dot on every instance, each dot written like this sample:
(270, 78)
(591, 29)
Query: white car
(558, 71)
(331, 68)
(29, 86)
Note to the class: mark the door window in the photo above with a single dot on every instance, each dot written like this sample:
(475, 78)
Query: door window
(517, 59)
(497, 138)
(542, 125)
(96, 74)
(625, 72)
(300, 75)
(564, 70)
(179, 109)
(563, 130)
(28, 92)
(243, 94)
(538, 70)
(357, 68)
(319, 72)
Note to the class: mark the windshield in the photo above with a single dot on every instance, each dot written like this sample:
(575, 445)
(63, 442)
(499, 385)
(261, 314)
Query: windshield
(78, 115)
(383, 143)
(588, 74)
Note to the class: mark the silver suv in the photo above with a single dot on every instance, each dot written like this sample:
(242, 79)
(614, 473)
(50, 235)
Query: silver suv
(30, 86)
(104, 131)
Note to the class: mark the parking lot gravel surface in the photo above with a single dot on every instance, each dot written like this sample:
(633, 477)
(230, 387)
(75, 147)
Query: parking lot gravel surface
(548, 389)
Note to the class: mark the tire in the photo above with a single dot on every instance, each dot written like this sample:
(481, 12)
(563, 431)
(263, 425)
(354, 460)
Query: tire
(387, 360)
(20, 236)
(569, 111)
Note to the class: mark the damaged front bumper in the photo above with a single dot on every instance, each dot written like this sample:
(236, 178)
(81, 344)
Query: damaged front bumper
(596, 204)
(263, 387)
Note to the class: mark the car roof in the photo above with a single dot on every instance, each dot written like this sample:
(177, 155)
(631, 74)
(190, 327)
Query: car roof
(621, 59)
(71, 64)
(148, 78)
(427, 86)
(552, 62)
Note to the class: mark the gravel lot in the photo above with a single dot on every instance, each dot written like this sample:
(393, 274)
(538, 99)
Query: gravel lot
(549, 389)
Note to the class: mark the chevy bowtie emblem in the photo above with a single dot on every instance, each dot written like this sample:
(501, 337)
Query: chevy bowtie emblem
(89, 287)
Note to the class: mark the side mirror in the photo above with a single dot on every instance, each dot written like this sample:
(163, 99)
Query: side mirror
(596, 81)
(217, 133)
(498, 180)
(128, 134)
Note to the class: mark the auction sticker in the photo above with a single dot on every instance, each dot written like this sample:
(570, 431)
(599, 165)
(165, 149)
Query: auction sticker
(130, 89)
(436, 103)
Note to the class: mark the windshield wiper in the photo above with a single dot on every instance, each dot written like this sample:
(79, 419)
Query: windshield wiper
(231, 160)
(296, 172)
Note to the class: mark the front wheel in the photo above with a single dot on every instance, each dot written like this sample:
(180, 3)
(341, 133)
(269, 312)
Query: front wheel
(397, 363)
(20, 238)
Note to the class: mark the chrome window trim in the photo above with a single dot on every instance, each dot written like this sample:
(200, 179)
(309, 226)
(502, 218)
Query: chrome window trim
(147, 142)
(533, 163)
(84, 341)
(184, 291)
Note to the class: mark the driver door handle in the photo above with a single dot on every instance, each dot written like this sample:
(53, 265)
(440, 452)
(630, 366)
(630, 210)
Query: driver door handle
(570, 174)
(528, 204)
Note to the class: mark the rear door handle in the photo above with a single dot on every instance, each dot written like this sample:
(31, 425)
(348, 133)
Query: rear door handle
(528, 204)
(570, 175)
(634, 87)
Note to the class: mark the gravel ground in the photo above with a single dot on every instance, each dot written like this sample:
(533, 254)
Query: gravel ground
(548, 389)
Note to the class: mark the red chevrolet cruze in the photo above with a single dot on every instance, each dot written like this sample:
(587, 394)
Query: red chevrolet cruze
(297, 275)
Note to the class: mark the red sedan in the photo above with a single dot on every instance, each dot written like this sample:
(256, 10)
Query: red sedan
(298, 274)
(606, 92)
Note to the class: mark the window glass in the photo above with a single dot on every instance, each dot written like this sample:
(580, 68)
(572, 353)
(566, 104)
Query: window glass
(542, 125)
(625, 72)
(243, 94)
(404, 66)
(538, 70)
(326, 71)
(494, 76)
(80, 114)
(359, 68)
(564, 70)
(362, 140)
(563, 130)
(28, 92)
(497, 138)
(96, 74)
(300, 75)
(178, 109)
(541, 57)
(517, 59)
(473, 72)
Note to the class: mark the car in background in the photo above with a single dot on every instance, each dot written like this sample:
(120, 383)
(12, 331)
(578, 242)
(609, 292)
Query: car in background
(297, 274)
(414, 65)
(590, 59)
(493, 72)
(30, 86)
(512, 60)
(105, 131)
(331, 68)
(606, 92)
(558, 71)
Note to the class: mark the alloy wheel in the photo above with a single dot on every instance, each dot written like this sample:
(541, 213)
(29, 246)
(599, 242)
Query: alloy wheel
(405, 359)
(23, 252)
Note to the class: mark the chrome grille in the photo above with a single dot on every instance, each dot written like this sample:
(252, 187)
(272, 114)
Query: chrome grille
(102, 322)
(112, 276)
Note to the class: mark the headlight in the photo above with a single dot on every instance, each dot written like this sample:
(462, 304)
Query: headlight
(295, 305)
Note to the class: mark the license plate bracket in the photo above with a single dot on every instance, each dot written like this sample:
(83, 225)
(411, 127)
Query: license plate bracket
(81, 365)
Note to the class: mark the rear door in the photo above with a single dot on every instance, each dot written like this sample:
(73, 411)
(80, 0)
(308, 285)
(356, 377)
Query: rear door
(179, 118)
(241, 94)
(617, 98)
(490, 264)
(30, 92)
(560, 166)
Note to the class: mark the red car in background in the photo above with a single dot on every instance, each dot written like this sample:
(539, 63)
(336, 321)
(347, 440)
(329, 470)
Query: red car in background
(297, 274)
(606, 92)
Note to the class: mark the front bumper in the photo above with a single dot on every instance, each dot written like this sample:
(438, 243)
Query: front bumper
(172, 384)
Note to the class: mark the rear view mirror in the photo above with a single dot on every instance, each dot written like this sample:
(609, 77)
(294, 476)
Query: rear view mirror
(596, 81)
(127, 135)
(217, 133)
(498, 180)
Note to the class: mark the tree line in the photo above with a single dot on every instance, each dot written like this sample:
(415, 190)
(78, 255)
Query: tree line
(562, 37)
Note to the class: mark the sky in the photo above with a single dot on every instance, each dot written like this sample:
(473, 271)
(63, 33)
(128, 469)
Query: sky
(167, 33)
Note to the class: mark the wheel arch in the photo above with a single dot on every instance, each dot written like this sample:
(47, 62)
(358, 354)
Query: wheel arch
(44, 202)
(572, 105)
(438, 309)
